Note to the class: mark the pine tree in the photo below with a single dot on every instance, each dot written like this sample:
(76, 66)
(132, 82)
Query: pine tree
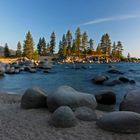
(44, 49)
(52, 43)
(84, 41)
(73, 49)
(19, 52)
(64, 46)
(78, 41)
(28, 48)
(106, 44)
(91, 43)
(35, 55)
(39, 46)
(119, 49)
(98, 49)
(6, 51)
(69, 39)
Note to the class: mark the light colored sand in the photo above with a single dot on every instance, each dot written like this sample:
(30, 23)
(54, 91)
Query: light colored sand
(19, 124)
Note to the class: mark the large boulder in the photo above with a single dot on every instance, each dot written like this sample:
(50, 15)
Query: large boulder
(131, 102)
(63, 117)
(115, 71)
(67, 96)
(121, 122)
(33, 98)
(106, 97)
(100, 79)
(85, 114)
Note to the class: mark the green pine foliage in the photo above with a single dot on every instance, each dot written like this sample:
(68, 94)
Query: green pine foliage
(6, 51)
(28, 47)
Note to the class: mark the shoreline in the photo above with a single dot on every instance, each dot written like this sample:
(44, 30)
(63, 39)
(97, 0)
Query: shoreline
(20, 124)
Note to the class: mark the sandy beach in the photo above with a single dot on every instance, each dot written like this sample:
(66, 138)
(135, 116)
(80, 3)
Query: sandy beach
(33, 124)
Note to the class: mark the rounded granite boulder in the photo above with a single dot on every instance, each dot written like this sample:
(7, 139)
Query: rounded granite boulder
(131, 102)
(63, 117)
(85, 114)
(121, 122)
(67, 96)
(33, 98)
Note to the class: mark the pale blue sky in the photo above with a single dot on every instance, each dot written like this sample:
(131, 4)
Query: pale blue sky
(120, 18)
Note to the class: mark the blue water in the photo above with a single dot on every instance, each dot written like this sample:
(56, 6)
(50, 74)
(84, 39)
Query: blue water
(79, 79)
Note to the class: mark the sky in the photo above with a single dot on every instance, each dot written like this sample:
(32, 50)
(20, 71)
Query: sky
(119, 18)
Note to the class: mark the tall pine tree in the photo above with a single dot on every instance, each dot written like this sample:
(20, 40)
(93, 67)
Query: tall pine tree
(28, 47)
(78, 41)
(19, 52)
(52, 43)
(6, 50)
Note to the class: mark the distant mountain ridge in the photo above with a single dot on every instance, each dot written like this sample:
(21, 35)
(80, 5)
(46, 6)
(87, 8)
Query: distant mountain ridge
(12, 52)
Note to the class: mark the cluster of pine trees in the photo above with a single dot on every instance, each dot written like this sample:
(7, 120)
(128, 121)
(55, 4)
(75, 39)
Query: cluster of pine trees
(81, 46)
(78, 46)
(42, 48)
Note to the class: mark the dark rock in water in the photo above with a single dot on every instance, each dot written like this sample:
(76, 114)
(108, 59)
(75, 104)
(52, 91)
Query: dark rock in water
(132, 81)
(46, 71)
(2, 71)
(11, 70)
(110, 66)
(106, 97)
(112, 83)
(85, 114)
(121, 122)
(67, 96)
(63, 117)
(131, 102)
(124, 79)
(32, 70)
(34, 98)
(100, 79)
(115, 71)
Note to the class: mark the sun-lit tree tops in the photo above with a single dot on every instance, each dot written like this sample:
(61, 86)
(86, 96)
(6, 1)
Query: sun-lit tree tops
(77, 45)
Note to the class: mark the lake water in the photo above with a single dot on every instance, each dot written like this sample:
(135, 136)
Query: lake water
(80, 79)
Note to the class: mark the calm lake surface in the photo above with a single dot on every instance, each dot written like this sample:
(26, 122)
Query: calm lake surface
(80, 79)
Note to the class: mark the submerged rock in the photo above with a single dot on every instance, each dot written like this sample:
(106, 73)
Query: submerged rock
(100, 79)
(34, 98)
(67, 96)
(63, 117)
(115, 71)
(124, 79)
(121, 122)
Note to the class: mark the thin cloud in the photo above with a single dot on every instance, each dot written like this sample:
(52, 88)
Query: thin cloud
(107, 19)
